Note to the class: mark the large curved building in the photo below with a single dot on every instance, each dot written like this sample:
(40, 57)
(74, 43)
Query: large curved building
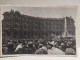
(16, 25)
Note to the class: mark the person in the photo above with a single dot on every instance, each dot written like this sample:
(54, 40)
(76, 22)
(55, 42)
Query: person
(36, 44)
(50, 51)
(69, 50)
(57, 51)
(31, 49)
(19, 48)
(4, 49)
(63, 47)
(10, 47)
(41, 50)
(25, 49)
(52, 42)
(60, 47)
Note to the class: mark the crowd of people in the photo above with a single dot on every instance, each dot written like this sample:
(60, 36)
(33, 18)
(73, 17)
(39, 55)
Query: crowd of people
(49, 47)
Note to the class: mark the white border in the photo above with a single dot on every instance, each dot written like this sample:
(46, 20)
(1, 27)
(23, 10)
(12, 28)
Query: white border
(35, 54)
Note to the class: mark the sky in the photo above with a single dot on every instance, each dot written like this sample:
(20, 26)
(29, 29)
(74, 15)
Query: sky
(45, 12)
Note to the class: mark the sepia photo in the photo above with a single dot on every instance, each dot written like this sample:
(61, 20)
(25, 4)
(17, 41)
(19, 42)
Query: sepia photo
(38, 30)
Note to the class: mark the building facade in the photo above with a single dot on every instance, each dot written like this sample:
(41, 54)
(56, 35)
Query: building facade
(16, 25)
